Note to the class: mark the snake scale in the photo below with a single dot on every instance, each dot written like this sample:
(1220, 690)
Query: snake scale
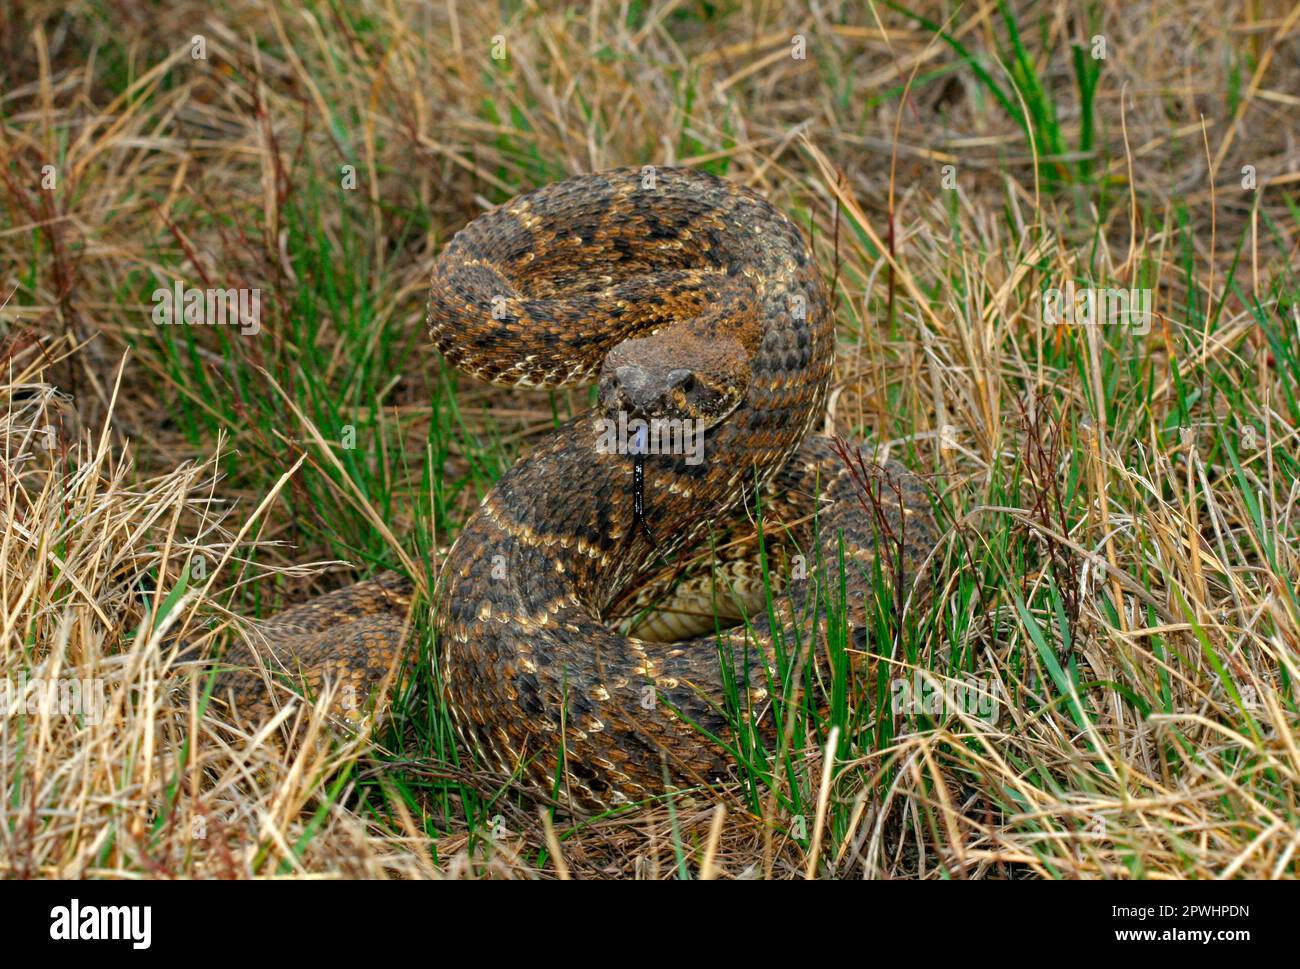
(685, 297)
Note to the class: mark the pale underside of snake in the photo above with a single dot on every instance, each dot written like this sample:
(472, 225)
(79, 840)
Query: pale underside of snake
(686, 298)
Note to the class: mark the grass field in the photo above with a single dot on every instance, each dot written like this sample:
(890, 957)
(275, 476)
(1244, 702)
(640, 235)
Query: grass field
(1121, 546)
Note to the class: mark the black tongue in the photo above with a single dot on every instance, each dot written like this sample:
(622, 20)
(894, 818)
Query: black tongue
(638, 498)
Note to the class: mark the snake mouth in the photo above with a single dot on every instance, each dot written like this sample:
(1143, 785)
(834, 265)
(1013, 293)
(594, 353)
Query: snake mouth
(661, 393)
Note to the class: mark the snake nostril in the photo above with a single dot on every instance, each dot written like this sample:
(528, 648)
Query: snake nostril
(682, 379)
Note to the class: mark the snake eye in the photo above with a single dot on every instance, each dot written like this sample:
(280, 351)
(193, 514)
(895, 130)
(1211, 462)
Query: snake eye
(683, 379)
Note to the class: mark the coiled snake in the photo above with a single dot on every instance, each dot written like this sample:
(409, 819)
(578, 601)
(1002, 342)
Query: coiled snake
(686, 298)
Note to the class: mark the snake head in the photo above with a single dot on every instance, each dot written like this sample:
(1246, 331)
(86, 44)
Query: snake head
(673, 375)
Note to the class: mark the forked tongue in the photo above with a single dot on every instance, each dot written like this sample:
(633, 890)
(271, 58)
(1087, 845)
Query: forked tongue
(640, 444)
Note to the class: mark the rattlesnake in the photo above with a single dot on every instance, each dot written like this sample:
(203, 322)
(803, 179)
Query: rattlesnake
(684, 297)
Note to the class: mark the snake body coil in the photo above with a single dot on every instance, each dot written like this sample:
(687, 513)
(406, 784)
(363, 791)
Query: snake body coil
(685, 297)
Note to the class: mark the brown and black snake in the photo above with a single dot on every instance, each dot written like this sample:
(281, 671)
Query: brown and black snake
(686, 298)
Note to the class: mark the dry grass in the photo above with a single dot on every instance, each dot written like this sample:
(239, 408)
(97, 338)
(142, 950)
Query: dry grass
(1121, 554)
